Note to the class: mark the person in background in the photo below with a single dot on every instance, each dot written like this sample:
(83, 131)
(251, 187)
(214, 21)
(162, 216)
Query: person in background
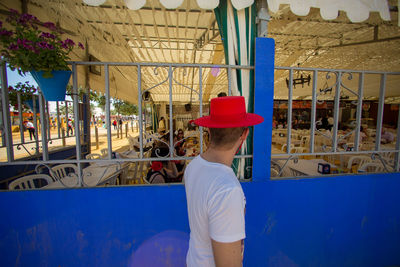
(161, 126)
(164, 171)
(282, 121)
(115, 124)
(330, 122)
(179, 143)
(69, 127)
(215, 199)
(222, 94)
(386, 136)
(274, 123)
(295, 124)
(31, 128)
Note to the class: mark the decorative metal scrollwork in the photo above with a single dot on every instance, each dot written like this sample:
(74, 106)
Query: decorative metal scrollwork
(23, 146)
(184, 73)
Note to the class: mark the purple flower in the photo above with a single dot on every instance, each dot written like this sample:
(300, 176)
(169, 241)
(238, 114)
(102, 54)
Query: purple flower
(1, 24)
(25, 18)
(13, 11)
(47, 35)
(42, 45)
(63, 45)
(81, 45)
(13, 47)
(69, 42)
(49, 46)
(50, 25)
(6, 33)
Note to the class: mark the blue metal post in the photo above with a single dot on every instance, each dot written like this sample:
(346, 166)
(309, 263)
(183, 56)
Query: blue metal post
(263, 106)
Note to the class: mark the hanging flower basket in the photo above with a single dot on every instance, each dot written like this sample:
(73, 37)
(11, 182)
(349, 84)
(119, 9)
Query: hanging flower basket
(29, 45)
(53, 88)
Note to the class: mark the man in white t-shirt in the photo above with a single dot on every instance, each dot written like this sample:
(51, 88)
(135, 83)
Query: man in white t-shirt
(215, 199)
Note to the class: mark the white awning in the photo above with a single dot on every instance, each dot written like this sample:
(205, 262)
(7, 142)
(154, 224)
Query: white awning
(356, 10)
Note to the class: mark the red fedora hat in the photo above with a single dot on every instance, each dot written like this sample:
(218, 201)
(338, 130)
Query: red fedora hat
(228, 112)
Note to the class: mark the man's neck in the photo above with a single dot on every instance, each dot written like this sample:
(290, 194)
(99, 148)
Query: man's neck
(219, 156)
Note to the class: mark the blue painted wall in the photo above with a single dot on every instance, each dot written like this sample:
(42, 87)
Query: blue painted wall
(343, 221)
(330, 221)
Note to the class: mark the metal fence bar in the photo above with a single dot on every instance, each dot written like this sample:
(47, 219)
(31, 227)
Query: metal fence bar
(76, 121)
(229, 81)
(289, 116)
(108, 114)
(21, 126)
(201, 105)
(161, 64)
(381, 106)
(336, 111)
(66, 116)
(139, 73)
(58, 119)
(171, 127)
(35, 123)
(337, 70)
(313, 109)
(48, 120)
(33, 162)
(6, 113)
(397, 155)
(359, 110)
(45, 152)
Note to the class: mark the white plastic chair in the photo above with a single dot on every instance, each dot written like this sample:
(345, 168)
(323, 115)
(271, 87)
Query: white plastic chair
(371, 167)
(93, 156)
(284, 147)
(63, 170)
(135, 171)
(104, 152)
(297, 150)
(360, 160)
(274, 172)
(305, 140)
(30, 181)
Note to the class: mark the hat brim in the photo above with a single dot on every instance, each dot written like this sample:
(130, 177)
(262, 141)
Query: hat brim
(249, 120)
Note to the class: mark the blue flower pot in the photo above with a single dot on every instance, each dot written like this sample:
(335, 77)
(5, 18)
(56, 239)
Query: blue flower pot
(54, 88)
(29, 103)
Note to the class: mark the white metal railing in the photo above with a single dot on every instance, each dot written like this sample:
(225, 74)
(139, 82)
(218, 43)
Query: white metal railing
(79, 160)
(339, 88)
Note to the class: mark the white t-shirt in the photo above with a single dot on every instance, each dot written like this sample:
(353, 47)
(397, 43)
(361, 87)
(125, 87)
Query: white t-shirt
(29, 125)
(216, 204)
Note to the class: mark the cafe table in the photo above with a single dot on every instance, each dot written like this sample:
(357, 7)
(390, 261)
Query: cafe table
(98, 173)
(304, 167)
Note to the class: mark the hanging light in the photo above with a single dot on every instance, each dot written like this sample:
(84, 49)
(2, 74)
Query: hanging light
(135, 4)
(208, 4)
(94, 2)
(171, 4)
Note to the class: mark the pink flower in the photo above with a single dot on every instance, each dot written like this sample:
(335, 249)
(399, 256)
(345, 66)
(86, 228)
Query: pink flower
(81, 45)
